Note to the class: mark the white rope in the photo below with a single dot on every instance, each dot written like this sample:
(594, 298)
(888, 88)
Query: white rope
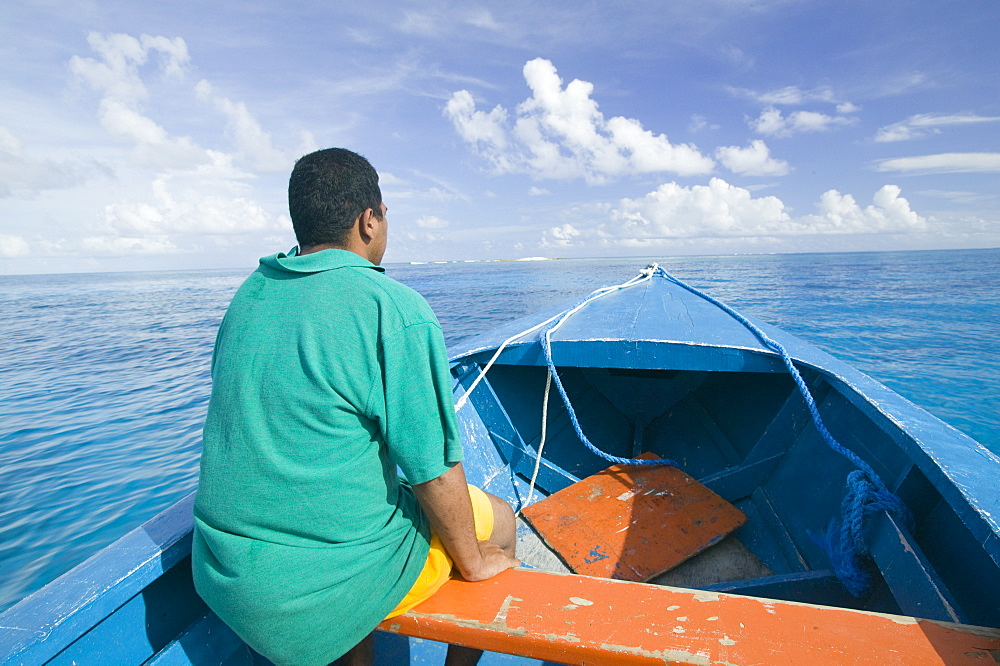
(541, 444)
(643, 275)
(482, 373)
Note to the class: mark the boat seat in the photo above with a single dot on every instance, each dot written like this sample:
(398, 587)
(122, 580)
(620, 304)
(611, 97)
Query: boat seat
(632, 522)
(574, 619)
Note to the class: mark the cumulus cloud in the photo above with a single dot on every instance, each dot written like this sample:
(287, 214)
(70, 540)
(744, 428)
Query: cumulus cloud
(754, 160)
(720, 210)
(943, 163)
(772, 122)
(922, 124)
(840, 213)
(538, 191)
(560, 133)
(564, 235)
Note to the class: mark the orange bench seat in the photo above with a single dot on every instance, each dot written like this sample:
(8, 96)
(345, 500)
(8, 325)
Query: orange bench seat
(579, 619)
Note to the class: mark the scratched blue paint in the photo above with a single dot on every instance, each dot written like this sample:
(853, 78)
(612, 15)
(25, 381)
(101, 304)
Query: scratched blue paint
(596, 555)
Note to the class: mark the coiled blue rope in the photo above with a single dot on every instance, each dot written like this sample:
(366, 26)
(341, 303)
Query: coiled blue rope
(844, 541)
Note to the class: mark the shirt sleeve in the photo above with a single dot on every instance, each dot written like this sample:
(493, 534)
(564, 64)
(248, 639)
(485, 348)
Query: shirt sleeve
(419, 426)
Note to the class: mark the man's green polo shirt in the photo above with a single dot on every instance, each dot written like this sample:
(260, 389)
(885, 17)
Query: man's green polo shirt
(326, 375)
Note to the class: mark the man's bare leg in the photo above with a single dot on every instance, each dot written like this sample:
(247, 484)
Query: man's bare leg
(362, 654)
(504, 535)
(504, 525)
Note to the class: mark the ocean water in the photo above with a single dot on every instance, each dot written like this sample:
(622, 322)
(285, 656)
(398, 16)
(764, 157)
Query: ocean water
(104, 377)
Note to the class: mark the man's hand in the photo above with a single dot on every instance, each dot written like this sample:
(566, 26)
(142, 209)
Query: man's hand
(447, 504)
(493, 561)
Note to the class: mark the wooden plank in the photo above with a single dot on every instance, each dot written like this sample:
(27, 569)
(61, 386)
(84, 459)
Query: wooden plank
(914, 583)
(809, 587)
(578, 619)
(632, 522)
(735, 483)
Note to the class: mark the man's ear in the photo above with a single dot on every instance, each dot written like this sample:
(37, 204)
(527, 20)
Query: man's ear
(367, 224)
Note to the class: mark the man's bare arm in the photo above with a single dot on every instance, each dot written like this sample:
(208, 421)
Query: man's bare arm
(447, 504)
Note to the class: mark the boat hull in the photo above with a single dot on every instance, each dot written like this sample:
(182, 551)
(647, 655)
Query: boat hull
(649, 368)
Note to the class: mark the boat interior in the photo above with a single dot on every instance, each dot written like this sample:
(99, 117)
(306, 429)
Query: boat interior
(749, 437)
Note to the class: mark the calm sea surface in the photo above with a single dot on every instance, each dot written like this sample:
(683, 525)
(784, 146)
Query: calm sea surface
(104, 377)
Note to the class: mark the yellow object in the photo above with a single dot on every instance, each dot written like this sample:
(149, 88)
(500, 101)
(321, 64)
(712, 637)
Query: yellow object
(438, 567)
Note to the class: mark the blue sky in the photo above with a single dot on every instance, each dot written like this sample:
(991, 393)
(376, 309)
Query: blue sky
(159, 135)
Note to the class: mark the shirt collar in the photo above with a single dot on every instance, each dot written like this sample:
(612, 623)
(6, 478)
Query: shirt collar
(316, 262)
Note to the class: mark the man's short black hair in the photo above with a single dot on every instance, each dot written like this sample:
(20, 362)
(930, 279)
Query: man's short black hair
(327, 191)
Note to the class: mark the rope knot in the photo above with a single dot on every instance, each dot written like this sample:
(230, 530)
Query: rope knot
(844, 541)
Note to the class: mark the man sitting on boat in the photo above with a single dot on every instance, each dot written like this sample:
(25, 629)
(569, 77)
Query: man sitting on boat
(326, 376)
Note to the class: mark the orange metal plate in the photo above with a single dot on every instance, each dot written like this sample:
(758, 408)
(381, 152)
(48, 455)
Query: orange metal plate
(582, 620)
(632, 522)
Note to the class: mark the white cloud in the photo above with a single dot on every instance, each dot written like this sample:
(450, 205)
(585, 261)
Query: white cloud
(179, 196)
(560, 133)
(481, 18)
(117, 73)
(432, 222)
(771, 122)
(13, 246)
(699, 123)
(839, 213)
(154, 147)
(202, 203)
(537, 191)
(754, 160)
(716, 209)
(253, 144)
(922, 124)
(943, 163)
(961, 196)
(788, 96)
(720, 210)
(565, 235)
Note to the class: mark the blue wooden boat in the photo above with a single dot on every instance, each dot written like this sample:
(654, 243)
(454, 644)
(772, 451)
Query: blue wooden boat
(855, 498)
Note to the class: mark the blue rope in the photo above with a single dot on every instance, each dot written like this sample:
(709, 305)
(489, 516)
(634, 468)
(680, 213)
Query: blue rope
(844, 540)
(543, 338)
(844, 543)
